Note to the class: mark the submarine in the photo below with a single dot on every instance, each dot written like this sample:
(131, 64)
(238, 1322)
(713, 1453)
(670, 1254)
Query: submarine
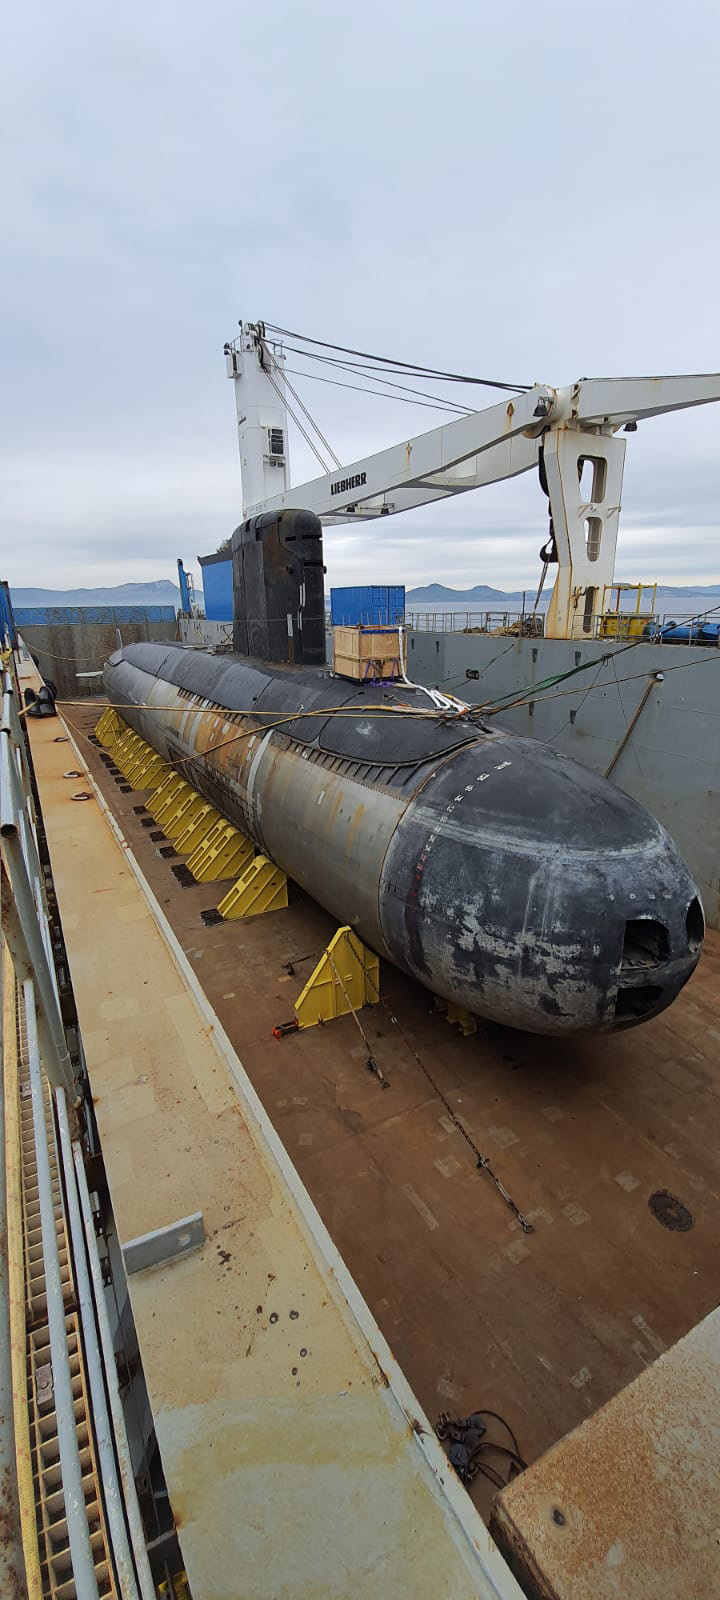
(503, 876)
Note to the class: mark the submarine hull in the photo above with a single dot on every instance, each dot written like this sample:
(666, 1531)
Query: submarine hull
(503, 876)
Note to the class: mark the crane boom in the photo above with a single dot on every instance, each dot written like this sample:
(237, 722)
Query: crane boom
(574, 427)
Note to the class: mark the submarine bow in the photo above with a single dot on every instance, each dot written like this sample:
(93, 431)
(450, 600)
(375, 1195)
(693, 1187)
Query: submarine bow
(502, 875)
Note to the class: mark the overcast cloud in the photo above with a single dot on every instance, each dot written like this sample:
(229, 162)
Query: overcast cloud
(526, 191)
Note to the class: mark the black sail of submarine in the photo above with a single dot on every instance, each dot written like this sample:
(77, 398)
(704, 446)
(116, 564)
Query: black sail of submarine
(503, 876)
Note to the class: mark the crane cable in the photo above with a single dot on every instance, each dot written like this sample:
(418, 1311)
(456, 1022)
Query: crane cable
(363, 368)
(306, 436)
(301, 403)
(433, 403)
(360, 369)
(405, 366)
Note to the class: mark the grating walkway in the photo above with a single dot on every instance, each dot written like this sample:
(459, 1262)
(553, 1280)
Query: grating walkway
(49, 1565)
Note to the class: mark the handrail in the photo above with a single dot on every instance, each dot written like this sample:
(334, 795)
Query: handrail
(609, 625)
(122, 1443)
(78, 1532)
(12, 1560)
(103, 1431)
(10, 1111)
(24, 912)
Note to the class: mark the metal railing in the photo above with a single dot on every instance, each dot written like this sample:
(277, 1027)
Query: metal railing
(72, 1526)
(600, 625)
(474, 621)
(22, 893)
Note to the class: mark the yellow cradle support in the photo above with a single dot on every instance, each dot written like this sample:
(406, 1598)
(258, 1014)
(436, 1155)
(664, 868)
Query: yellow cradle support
(346, 978)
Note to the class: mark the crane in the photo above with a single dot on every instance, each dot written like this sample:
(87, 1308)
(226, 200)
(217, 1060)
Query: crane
(571, 434)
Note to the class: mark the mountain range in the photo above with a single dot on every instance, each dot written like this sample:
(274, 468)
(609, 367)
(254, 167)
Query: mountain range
(158, 592)
(437, 595)
(426, 597)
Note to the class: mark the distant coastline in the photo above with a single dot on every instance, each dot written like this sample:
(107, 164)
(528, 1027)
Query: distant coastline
(683, 600)
(438, 596)
(158, 592)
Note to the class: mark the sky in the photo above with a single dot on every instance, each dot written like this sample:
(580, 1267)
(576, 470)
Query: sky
(522, 191)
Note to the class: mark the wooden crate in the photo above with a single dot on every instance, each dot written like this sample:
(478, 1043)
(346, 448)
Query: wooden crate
(366, 653)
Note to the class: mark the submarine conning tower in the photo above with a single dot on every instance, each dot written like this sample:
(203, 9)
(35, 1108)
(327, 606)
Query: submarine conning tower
(279, 588)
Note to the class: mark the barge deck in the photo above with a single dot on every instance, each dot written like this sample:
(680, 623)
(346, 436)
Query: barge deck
(587, 1136)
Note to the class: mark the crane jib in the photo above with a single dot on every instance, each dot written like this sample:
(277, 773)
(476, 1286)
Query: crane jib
(341, 485)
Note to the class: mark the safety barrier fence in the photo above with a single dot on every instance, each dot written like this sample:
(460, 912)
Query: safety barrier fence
(600, 625)
(72, 1528)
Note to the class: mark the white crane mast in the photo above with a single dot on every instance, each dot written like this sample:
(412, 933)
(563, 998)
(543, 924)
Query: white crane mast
(574, 429)
(262, 415)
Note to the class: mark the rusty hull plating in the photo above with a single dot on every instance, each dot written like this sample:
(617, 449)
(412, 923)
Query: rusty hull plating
(503, 876)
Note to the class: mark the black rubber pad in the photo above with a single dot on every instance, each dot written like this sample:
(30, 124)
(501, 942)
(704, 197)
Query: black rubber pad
(185, 877)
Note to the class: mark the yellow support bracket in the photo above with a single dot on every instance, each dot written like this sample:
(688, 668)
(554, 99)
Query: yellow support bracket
(346, 978)
(176, 820)
(167, 791)
(260, 887)
(135, 763)
(126, 751)
(109, 727)
(462, 1019)
(197, 828)
(223, 853)
(168, 800)
(150, 773)
(146, 760)
(120, 743)
(137, 753)
(141, 755)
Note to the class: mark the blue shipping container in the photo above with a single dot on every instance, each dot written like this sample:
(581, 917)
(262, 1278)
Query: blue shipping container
(371, 605)
(75, 616)
(217, 587)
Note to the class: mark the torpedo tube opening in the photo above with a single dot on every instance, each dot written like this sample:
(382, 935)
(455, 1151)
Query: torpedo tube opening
(647, 951)
(633, 1005)
(646, 944)
(695, 925)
